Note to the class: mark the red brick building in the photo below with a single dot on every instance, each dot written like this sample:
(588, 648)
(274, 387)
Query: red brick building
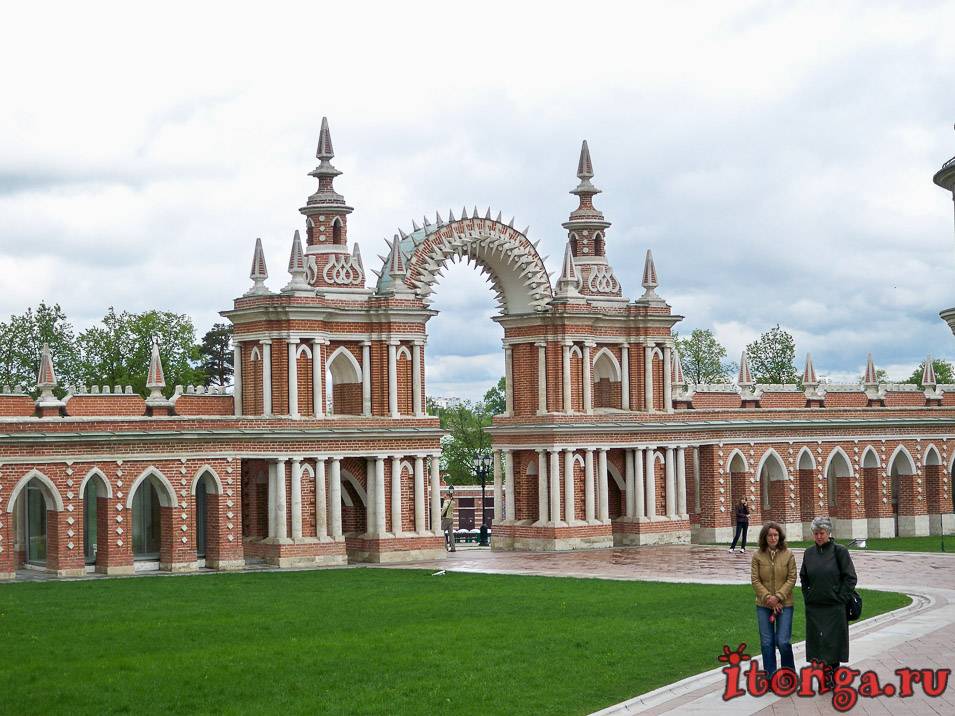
(324, 454)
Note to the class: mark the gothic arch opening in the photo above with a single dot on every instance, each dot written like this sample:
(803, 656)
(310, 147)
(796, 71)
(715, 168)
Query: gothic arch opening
(343, 375)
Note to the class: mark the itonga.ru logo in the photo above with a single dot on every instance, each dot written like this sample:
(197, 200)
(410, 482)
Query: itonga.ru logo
(846, 685)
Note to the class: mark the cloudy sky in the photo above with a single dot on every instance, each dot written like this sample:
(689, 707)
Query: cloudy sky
(776, 157)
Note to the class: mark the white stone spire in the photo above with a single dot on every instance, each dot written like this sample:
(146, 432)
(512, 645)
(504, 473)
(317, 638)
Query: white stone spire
(928, 374)
(745, 377)
(296, 266)
(809, 378)
(259, 272)
(870, 380)
(676, 369)
(568, 284)
(649, 281)
(46, 376)
(156, 379)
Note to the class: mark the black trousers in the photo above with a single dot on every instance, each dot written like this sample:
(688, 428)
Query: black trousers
(741, 529)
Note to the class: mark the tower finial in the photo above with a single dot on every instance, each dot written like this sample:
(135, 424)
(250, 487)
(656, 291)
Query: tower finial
(871, 379)
(568, 284)
(676, 369)
(928, 374)
(259, 272)
(156, 379)
(745, 377)
(46, 376)
(296, 266)
(809, 378)
(585, 167)
(325, 150)
(650, 282)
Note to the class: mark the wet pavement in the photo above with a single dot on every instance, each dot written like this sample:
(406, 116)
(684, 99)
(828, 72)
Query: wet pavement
(921, 636)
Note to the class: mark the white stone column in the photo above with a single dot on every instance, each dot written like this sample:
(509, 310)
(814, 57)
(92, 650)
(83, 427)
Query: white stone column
(321, 501)
(541, 378)
(625, 376)
(237, 378)
(436, 493)
(543, 511)
(590, 512)
(266, 377)
(648, 379)
(293, 377)
(570, 496)
(371, 502)
(416, 397)
(681, 482)
(366, 378)
(639, 505)
(296, 498)
(396, 495)
(565, 376)
(554, 473)
(696, 479)
(380, 496)
(335, 497)
(588, 385)
(603, 513)
(271, 498)
(670, 472)
(281, 511)
(667, 381)
(651, 481)
(628, 484)
(508, 381)
(498, 488)
(419, 496)
(393, 378)
(509, 503)
(318, 380)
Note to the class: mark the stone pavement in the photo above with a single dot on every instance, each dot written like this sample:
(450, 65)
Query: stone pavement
(921, 636)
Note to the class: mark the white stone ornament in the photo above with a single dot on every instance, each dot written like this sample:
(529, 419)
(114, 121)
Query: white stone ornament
(69, 482)
(69, 533)
(69, 471)
(69, 494)
(69, 521)
(184, 540)
(182, 481)
(119, 530)
(183, 528)
(119, 543)
(69, 545)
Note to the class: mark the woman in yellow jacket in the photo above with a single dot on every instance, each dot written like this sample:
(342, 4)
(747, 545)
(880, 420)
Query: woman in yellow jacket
(773, 573)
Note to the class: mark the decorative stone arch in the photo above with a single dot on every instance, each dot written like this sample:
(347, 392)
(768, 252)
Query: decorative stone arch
(255, 355)
(900, 452)
(870, 458)
(575, 352)
(50, 494)
(303, 350)
(307, 471)
(359, 490)
(605, 365)
(216, 480)
(613, 472)
(931, 456)
(338, 364)
(345, 381)
(579, 460)
(167, 495)
(93, 474)
(837, 463)
(403, 352)
(736, 453)
(775, 470)
(518, 276)
(655, 352)
(802, 463)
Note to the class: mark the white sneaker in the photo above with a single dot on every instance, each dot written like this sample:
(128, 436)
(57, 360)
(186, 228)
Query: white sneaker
(731, 550)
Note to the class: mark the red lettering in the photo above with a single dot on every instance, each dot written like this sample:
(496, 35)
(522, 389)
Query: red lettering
(869, 685)
(756, 682)
(732, 689)
(844, 697)
(784, 682)
(938, 684)
(906, 677)
(808, 673)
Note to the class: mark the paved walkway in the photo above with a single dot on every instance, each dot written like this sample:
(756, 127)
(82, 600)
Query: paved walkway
(921, 636)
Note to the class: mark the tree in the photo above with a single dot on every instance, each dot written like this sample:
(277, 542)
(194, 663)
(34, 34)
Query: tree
(495, 402)
(118, 352)
(703, 358)
(22, 338)
(216, 354)
(944, 373)
(772, 357)
(466, 439)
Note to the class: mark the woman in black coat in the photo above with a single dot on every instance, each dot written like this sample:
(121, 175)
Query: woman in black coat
(742, 525)
(827, 578)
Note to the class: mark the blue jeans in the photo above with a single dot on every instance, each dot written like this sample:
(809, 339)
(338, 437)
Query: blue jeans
(776, 636)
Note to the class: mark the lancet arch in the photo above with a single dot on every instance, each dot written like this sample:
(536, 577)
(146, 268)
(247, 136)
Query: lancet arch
(516, 271)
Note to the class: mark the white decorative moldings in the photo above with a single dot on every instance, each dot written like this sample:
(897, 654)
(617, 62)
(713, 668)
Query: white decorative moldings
(69, 521)
(343, 270)
(184, 540)
(182, 481)
(70, 533)
(119, 530)
(119, 543)
(69, 508)
(230, 538)
(69, 482)
(602, 280)
(183, 528)
(69, 545)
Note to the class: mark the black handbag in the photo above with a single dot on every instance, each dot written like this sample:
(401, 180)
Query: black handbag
(854, 606)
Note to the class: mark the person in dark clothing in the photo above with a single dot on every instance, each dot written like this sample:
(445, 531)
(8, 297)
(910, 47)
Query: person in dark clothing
(742, 525)
(827, 578)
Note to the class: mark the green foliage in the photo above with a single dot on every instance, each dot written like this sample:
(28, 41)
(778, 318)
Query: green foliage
(22, 339)
(944, 372)
(494, 401)
(117, 353)
(466, 439)
(772, 357)
(215, 354)
(703, 358)
(553, 646)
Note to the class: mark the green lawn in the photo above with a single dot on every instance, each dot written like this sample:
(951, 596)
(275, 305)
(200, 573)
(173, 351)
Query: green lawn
(362, 641)
(898, 544)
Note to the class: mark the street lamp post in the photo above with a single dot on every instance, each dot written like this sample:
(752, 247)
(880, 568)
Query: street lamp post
(482, 468)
